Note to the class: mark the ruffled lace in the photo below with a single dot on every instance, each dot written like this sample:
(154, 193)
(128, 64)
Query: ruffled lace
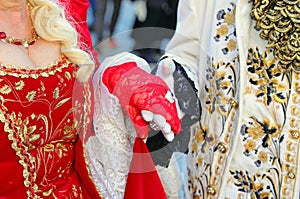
(110, 150)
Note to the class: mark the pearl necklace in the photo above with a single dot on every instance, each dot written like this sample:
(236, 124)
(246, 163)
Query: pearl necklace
(24, 42)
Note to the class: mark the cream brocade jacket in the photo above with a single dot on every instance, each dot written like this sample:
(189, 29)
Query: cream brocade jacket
(247, 142)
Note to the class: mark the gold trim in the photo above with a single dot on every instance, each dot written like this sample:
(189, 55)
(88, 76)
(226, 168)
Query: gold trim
(26, 160)
(34, 73)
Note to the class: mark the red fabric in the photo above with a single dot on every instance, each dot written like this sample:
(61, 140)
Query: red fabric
(143, 181)
(11, 172)
(88, 187)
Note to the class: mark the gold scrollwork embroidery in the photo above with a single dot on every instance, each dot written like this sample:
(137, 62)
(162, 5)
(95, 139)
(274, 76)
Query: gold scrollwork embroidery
(278, 22)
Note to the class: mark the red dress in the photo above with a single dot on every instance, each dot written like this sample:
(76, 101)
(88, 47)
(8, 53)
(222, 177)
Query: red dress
(44, 115)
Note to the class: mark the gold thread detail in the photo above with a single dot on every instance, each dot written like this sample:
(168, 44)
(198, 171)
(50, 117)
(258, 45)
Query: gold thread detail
(279, 23)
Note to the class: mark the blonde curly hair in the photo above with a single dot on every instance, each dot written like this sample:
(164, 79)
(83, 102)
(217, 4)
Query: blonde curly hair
(50, 23)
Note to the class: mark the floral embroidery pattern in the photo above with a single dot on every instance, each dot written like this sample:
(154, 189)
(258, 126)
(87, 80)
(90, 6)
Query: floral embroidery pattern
(266, 77)
(262, 141)
(220, 87)
(219, 91)
(250, 184)
(226, 30)
(263, 138)
(220, 75)
(201, 143)
(268, 135)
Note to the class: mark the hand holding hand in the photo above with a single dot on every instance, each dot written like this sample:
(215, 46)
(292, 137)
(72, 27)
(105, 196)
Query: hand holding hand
(145, 98)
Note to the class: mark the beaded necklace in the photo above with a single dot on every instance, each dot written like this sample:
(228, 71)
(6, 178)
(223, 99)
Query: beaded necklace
(24, 42)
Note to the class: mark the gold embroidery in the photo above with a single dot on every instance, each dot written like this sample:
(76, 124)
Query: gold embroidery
(278, 22)
(231, 45)
(222, 31)
(285, 191)
(263, 76)
(5, 89)
(290, 146)
(262, 156)
(20, 85)
(289, 157)
(48, 138)
(34, 73)
(30, 95)
(62, 102)
(293, 123)
(294, 111)
(15, 134)
(296, 98)
(47, 193)
(68, 75)
(250, 145)
(229, 17)
(87, 107)
(56, 93)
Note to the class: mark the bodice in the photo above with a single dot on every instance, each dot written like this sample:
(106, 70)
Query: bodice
(38, 114)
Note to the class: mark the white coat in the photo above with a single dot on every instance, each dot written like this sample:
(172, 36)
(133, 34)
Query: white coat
(247, 143)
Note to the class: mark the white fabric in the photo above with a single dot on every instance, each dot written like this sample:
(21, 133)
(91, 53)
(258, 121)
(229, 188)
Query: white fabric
(140, 9)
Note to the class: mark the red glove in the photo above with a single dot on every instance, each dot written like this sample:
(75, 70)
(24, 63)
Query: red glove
(139, 91)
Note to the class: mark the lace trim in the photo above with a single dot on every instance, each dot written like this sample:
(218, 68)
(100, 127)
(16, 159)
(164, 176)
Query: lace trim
(278, 21)
(109, 165)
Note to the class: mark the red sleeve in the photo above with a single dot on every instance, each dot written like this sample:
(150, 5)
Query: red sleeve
(76, 13)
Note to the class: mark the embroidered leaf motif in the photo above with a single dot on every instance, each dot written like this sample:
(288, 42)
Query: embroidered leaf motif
(68, 75)
(42, 86)
(62, 102)
(31, 129)
(56, 93)
(34, 137)
(2, 107)
(30, 95)
(5, 89)
(281, 138)
(20, 85)
(26, 121)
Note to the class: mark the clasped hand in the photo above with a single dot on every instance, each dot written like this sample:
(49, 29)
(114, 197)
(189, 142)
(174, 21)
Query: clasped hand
(146, 99)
